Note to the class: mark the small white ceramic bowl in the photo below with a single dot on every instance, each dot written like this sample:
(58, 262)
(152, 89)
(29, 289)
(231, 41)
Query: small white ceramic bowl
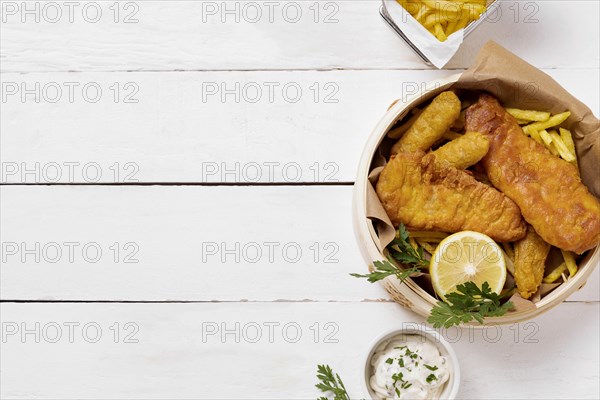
(451, 387)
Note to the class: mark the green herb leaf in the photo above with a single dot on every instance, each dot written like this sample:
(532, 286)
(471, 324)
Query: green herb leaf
(431, 368)
(401, 251)
(398, 377)
(383, 269)
(466, 304)
(331, 383)
(431, 378)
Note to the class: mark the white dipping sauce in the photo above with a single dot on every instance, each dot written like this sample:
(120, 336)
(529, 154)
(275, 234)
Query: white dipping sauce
(408, 367)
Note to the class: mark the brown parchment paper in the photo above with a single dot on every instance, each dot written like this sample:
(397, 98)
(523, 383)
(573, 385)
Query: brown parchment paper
(518, 84)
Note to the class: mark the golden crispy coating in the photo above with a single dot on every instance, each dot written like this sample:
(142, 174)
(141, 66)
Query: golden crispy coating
(429, 127)
(547, 189)
(464, 151)
(426, 195)
(530, 259)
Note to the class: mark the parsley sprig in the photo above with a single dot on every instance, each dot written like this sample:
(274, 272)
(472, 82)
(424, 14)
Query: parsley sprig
(466, 304)
(331, 383)
(401, 251)
(383, 269)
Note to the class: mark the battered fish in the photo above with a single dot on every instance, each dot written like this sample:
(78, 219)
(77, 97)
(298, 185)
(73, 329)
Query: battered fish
(431, 124)
(464, 151)
(427, 195)
(530, 260)
(547, 189)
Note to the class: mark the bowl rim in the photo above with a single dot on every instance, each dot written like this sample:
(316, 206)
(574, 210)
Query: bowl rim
(450, 390)
(418, 299)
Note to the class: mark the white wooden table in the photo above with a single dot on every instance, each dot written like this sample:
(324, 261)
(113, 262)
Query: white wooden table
(169, 233)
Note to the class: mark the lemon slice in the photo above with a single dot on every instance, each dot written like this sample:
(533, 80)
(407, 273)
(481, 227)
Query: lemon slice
(467, 256)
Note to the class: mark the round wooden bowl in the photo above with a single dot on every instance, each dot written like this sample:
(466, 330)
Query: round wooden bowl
(409, 294)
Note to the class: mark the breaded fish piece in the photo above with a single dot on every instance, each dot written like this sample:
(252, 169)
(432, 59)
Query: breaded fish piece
(431, 124)
(530, 258)
(547, 189)
(426, 195)
(464, 151)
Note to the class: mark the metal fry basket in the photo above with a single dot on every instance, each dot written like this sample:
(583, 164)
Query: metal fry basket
(491, 7)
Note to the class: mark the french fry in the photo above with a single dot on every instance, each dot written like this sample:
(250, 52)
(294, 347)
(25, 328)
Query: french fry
(439, 32)
(412, 7)
(536, 136)
(463, 21)
(450, 6)
(528, 115)
(428, 247)
(473, 10)
(552, 148)
(546, 138)
(422, 13)
(570, 262)
(559, 145)
(434, 19)
(567, 138)
(444, 17)
(451, 27)
(552, 121)
(555, 274)
(428, 235)
(565, 154)
(413, 242)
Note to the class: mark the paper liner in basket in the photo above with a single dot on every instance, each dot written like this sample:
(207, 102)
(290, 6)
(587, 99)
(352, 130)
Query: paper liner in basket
(516, 84)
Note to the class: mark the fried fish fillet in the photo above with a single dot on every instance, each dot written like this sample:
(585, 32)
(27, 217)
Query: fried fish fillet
(547, 189)
(530, 260)
(425, 194)
(431, 124)
(464, 151)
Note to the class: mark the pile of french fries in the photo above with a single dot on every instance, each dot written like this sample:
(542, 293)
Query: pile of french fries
(537, 124)
(444, 17)
(428, 240)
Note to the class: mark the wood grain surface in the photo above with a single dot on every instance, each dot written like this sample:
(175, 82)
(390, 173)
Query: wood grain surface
(175, 199)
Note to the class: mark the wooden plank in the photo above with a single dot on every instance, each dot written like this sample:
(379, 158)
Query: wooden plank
(191, 127)
(307, 126)
(190, 243)
(174, 35)
(183, 351)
